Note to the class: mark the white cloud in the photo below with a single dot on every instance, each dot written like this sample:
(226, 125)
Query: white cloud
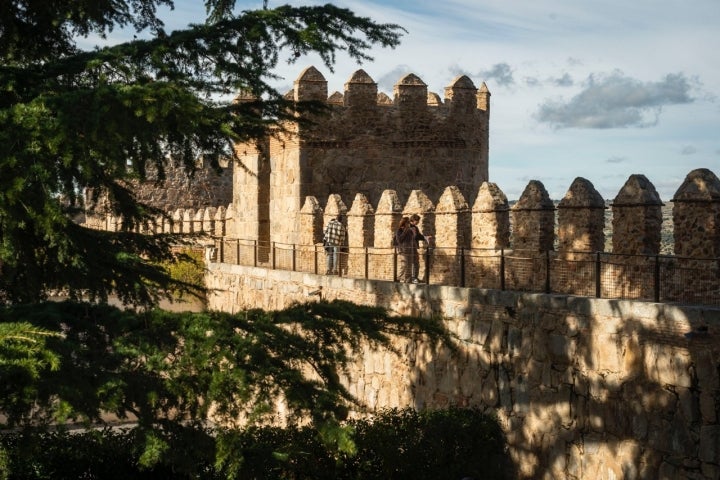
(615, 101)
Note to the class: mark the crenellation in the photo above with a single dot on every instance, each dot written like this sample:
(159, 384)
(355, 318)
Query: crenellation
(177, 219)
(311, 231)
(533, 219)
(637, 218)
(410, 94)
(310, 86)
(483, 98)
(581, 218)
(384, 99)
(490, 218)
(491, 224)
(452, 220)
(197, 220)
(433, 99)
(334, 207)
(220, 214)
(311, 222)
(360, 92)
(461, 96)
(165, 223)
(696, 222)
(361, 220)
(452, 234)
(387, 218)
(336, 98)
(208, 220)
(360, 230)
(636, 233)
(696, 215)
(420, 204)
(188, 220)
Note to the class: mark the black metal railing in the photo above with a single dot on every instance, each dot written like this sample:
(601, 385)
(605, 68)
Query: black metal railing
(658, 278)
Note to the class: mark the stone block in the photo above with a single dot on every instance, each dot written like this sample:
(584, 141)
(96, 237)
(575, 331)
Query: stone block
(709, 444)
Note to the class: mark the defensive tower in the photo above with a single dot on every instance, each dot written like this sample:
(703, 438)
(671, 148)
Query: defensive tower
(367, 143)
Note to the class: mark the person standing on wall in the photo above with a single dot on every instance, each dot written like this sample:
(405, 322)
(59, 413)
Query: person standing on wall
(417, 237)
(334, 239)
(405, 241)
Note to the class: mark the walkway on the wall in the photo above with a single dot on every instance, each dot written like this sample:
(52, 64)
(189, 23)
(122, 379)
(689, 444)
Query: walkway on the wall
(657, 278)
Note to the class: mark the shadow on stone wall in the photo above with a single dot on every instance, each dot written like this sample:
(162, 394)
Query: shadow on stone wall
(583, 388)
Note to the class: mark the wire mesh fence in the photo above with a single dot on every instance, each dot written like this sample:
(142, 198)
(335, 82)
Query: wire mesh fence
(658, 278)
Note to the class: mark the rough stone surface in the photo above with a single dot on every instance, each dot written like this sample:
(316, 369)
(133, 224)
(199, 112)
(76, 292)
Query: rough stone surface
(585, 389)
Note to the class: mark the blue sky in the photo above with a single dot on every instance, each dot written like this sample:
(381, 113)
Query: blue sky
(580, 88)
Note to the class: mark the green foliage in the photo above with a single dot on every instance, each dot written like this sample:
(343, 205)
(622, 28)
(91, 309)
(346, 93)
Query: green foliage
(24, 356)
(77, 125)
(395, 444)
(187, 269)
(453, 443)
(167, 370)
(93, 454)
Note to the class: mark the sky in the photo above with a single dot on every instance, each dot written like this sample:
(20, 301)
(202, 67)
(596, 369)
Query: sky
(599, 89)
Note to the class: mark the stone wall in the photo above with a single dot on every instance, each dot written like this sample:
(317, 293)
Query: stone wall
(583, 388)
(205, 188)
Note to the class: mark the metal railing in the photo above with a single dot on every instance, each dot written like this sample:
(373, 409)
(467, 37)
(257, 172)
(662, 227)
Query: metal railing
(658, 278)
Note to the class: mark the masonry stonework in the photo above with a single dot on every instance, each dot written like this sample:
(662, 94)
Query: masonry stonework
(583, 388)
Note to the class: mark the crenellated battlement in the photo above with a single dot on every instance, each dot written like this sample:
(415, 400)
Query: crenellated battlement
(410, 93)
(531, 237)
(578, 223)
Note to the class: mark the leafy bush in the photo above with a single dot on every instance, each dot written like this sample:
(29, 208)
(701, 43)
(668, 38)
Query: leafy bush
(396, 444)
(434, 444)
(63, 455)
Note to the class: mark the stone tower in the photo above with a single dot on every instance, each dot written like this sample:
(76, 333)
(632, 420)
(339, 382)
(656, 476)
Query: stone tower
(367, 143)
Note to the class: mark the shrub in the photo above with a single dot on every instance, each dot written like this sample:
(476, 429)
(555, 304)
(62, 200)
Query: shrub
(433, 444)
(396, 444)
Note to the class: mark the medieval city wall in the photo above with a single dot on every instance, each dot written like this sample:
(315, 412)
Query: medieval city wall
(584, 388)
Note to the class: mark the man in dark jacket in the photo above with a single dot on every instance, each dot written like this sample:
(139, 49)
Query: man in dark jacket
(417, 238)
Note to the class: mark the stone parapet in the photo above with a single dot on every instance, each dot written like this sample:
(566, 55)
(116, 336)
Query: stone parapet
(491, 223)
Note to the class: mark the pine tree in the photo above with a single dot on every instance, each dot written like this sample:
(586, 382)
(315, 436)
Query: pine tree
(74, 121)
